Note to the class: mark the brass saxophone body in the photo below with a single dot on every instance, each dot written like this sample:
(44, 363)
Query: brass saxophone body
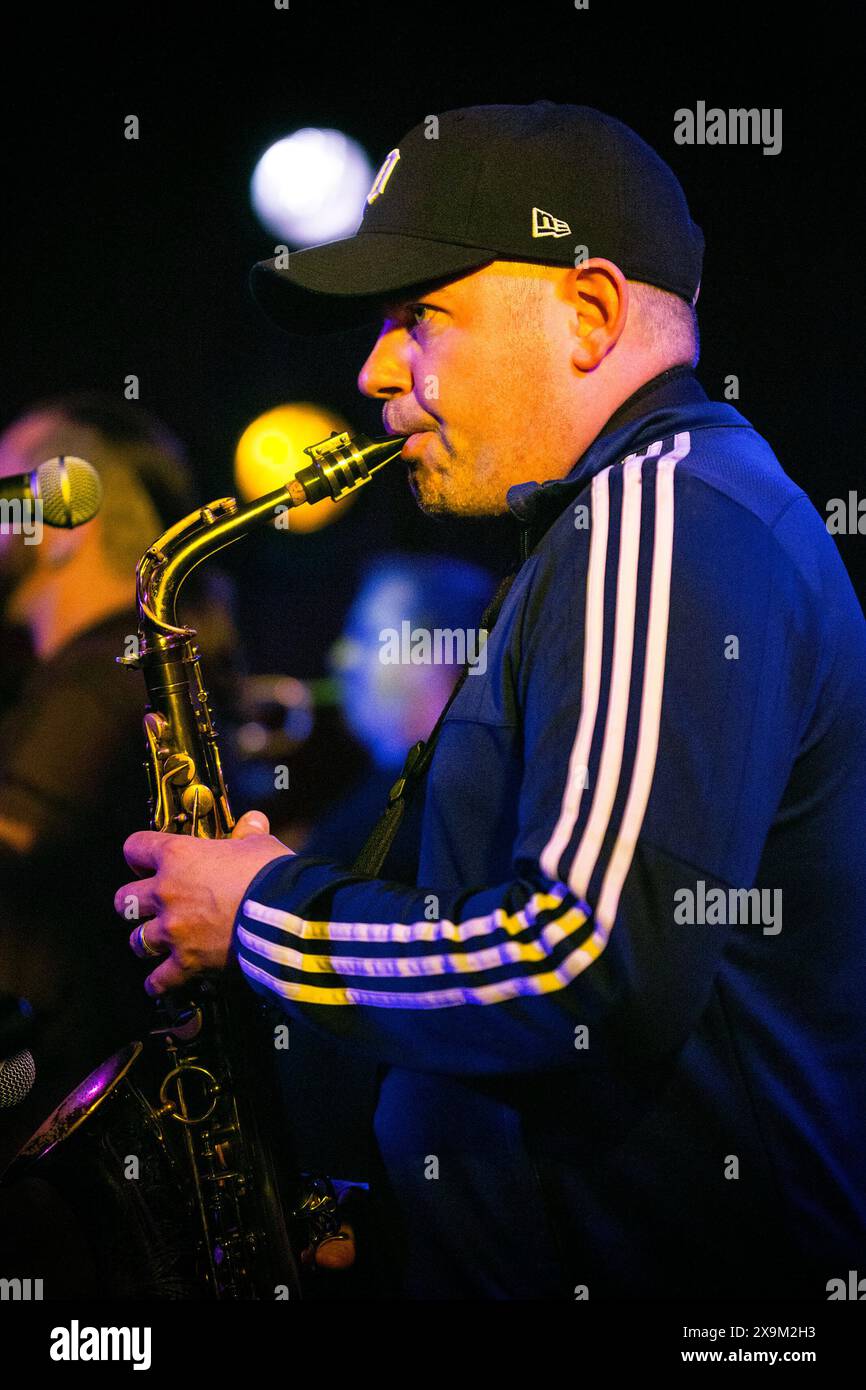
(215, 1111)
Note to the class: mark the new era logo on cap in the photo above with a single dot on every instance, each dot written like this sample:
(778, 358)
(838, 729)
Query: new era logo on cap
(383, 175)
(545, 224)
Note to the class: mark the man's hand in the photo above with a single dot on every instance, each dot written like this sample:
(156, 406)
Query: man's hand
(193, 895)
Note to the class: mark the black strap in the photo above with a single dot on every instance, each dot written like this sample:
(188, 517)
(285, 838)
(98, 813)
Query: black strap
(376, 847)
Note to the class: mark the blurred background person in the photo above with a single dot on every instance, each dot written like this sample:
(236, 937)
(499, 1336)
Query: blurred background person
(388, 706)
(72, 784)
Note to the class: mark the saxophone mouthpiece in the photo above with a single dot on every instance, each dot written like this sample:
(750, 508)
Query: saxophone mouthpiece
(345, 461)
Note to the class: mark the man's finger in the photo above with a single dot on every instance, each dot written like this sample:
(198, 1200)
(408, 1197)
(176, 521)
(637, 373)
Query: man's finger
(143, 849)
(136, 900)
(167, 976)
(251, 823)
(153, 943)
(337, 1252)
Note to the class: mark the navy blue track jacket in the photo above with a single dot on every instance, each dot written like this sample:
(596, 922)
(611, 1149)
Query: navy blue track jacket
(623, 1008)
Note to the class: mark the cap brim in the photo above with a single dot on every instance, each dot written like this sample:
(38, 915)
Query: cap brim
(340, 285)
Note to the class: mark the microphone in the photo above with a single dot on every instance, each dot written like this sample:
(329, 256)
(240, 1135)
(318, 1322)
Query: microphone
(17, 1067)
(69, 489)
(17, 1075)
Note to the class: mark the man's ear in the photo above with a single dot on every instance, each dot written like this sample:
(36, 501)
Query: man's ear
(599, 294)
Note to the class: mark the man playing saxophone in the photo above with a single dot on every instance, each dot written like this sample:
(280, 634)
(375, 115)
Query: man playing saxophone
(621, 1007)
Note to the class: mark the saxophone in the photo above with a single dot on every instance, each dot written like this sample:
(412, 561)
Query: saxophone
(215, 1111)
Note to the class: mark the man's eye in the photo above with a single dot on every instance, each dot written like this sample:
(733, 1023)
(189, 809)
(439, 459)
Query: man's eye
(419, 310)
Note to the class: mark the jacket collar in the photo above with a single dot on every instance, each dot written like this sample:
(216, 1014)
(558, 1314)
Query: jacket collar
(670, 402)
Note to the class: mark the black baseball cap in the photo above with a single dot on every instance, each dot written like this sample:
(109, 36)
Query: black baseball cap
(545, 182)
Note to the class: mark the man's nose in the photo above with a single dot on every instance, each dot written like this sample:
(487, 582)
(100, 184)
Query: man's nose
(386, 372)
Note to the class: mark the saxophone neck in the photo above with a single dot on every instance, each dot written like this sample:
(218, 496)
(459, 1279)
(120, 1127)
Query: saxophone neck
(188, 792)
(339, 464)
(167, 563)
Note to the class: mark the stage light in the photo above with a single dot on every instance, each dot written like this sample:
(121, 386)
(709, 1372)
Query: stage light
(271, 450)
(311, 186)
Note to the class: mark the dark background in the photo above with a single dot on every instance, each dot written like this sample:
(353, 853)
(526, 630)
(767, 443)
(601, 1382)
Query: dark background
(133, 256)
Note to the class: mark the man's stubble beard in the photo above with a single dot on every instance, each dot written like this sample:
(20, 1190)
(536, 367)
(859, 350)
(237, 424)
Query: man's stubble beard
(455, 491)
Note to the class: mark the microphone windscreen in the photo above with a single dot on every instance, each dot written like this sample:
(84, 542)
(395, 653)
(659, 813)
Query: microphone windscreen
(17, 1075)
(71, 491)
